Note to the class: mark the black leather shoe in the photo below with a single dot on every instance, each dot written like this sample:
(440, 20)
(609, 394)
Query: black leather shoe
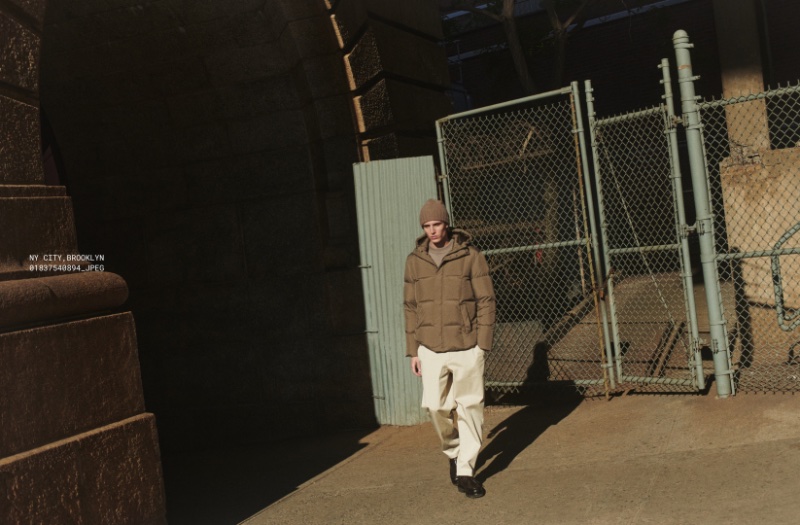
(471, 487)
(453, 475)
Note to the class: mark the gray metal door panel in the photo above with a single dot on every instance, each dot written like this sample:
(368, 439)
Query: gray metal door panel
(389, 194)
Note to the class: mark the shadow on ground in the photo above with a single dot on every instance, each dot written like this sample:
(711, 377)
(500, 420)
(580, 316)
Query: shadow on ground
(518, 431)
(226, 486)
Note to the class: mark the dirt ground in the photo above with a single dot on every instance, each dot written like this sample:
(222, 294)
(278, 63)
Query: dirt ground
(636, 459)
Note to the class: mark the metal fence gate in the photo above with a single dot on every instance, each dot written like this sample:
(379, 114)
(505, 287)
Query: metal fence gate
(515, 178)
(652, 311)
(515, 175)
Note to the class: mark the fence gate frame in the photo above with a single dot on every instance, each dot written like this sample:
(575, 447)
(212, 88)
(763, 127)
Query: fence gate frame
(707, 229)
(639, 324)
(585, 239)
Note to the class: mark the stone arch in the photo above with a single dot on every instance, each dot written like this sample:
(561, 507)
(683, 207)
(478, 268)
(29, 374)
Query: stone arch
(194, 134)
(208, 145)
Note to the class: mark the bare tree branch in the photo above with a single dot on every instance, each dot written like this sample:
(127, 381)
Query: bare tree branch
(515, 47)
(555, 21)
(577, 12)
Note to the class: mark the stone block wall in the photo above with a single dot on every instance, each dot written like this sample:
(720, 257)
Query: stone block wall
(208, 149)
(76, 444)
(397, 73)
(203, 144)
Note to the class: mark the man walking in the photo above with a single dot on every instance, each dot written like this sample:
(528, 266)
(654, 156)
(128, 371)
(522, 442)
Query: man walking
(450, 311)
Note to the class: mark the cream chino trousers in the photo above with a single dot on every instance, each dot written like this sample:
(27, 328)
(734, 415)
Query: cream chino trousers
(452, 382)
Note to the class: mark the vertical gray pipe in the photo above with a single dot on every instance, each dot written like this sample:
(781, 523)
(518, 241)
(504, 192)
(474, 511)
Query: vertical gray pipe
(680, 221)
(705, 220)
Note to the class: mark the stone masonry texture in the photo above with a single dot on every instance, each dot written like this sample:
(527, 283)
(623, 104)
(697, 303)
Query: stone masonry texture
(76, 445)
(208, 150)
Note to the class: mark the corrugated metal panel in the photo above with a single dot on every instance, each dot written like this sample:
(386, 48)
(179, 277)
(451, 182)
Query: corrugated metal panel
(389, 195)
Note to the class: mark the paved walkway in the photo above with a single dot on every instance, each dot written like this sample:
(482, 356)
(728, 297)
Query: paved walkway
(632, 460)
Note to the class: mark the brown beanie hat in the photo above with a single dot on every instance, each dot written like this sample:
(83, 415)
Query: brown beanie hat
(433, 210)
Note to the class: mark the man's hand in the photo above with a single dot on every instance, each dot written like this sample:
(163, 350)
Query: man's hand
(416, 366)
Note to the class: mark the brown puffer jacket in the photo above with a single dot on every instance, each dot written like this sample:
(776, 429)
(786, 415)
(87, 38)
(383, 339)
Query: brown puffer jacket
(451, 307)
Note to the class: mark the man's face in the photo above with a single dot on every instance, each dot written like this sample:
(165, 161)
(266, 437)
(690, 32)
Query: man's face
(436, 232)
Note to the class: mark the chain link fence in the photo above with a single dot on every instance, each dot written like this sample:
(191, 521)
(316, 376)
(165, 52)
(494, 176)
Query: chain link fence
(752, 148)
(641, 223)
(515, 182)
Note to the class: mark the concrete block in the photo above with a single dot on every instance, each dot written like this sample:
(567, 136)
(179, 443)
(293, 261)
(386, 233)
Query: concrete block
(761, 204)
(76, 31)
(349, 16)
(386, 49)
(182, 76)
(110, 475)
(268, 248)
(205, 306)
(333, 116)
(340, 154)
(122, 197)
(82, 9)
(60, 380)
(309, 37)
(298, 317)
(20, 156)
(198, 11)
(19, 55)
(201, 142)
(394, 145)
(294, 10)
(32, 190)
(241, 101)
(214, 38)
(251, 176)
(196, 245)
(42, 226)
(325, 75)
(131, 121)
(401, 105)
(261, 96)
(124, 22)
(260, 27)
(282, 129)
(421, 16)
(200, 107)
(27, 301)
(235, 65)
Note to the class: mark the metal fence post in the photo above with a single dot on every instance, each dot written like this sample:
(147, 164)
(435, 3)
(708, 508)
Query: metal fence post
(680, 220)
(443, 167)
(608, 367)
(612, 358)
(705, 221)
